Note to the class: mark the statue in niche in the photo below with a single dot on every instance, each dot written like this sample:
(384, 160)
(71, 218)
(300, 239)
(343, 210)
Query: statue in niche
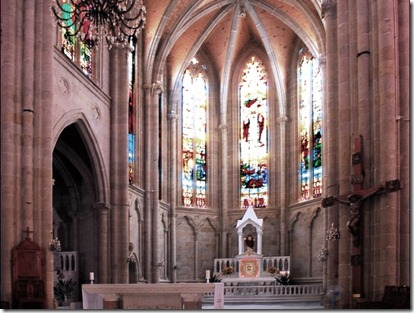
(249, 240)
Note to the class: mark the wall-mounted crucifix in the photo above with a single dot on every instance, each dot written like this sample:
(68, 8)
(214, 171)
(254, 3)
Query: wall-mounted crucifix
(355, 201)
(28, 231)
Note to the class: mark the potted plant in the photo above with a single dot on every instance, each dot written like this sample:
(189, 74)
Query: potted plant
(215, 278)
(63, 291)
(283, 279)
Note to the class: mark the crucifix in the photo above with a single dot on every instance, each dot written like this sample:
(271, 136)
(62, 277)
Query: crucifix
(28, 231)
(355, 201)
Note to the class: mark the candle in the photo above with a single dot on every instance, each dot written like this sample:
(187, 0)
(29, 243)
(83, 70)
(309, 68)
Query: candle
(207, 274)
(91, 276)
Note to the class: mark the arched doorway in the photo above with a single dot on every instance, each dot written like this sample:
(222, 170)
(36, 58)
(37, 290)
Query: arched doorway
(75, 192)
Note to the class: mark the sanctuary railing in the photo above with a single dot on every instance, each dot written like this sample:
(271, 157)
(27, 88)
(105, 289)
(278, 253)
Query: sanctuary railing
(280, 263)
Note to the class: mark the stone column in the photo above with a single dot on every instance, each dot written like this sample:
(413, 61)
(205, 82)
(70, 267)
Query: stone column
(28, 99)
(172, 153)
(224, 191)
(43, 139)
(331, 138)
(152, 104)
(388, 210)
(345, 65)
(103, 241)
(283, 205)
(9, 137)
(119, 161)
(322, 63)
(404, 126)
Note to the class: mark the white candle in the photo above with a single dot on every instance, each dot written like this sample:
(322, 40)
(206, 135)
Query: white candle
(207, 274)
(91, 276)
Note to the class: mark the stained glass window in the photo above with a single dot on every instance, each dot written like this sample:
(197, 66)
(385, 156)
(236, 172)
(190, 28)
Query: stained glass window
(131, 114)
(194, 135)
(85, 58)
(310, 127)
(79, 48)
(68, 42)
(253, 134)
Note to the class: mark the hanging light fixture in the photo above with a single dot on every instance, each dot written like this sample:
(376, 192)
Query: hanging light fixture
(91, 20)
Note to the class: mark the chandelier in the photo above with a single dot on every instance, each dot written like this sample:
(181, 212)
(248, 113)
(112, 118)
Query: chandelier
(90, 20)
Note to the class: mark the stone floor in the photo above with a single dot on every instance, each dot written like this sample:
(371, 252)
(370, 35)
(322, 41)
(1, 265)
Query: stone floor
(269, 306)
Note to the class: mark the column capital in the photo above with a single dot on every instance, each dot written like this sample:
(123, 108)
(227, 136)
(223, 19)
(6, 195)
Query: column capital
(322, 60)
(101, 206)
(121, 45)
(154, 86)
(328, 6)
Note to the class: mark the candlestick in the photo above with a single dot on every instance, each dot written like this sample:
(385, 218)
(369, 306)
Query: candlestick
(92, 277)
(207, 274)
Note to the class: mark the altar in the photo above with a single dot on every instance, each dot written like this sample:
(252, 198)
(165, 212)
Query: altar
(250, 265)
(160, 296)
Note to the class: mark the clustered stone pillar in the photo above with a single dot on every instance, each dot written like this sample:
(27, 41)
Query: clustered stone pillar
(331, 140)
(151, 181)
(345, 66)
(388, 153)
(26, 95)
(9, 135)
(119, 160)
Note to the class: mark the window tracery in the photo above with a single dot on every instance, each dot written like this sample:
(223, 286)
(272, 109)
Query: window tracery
(253, 88)
(310, 127)
(194, 135)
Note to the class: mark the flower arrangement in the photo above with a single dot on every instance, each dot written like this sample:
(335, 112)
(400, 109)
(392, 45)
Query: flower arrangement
(272, 269)
(228, 270)
(54, 245)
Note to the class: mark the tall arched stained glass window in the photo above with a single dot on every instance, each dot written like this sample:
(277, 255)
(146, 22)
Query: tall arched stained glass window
(131, 113)
(253, 134)
(310, 127)
(194, 134)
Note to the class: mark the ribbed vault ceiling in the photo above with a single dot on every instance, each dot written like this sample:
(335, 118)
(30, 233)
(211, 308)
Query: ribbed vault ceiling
(177, 29)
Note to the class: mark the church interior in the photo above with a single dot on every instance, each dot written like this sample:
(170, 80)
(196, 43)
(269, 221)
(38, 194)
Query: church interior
(116, 169)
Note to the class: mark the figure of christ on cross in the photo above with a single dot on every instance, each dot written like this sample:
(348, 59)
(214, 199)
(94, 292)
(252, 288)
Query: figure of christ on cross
(355, 201)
